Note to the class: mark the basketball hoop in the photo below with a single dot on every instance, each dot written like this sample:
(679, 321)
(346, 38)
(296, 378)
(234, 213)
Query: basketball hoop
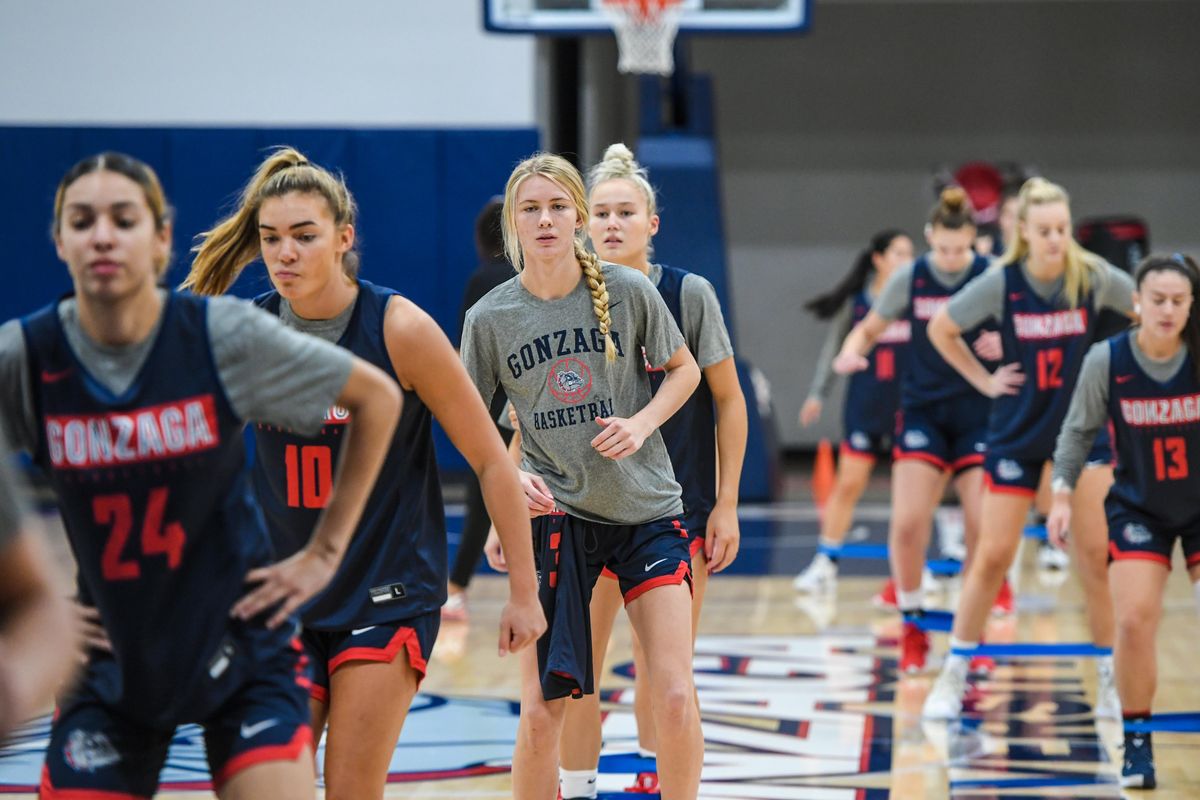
(645, 34)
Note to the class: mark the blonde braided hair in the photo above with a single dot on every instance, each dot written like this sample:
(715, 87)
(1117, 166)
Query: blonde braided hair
(563, 173)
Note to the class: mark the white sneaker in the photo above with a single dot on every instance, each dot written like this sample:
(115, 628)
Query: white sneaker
(818, 577)
(929, 584)
(945, 698)
(948, 520)
(1108, 702)
(1050, 557)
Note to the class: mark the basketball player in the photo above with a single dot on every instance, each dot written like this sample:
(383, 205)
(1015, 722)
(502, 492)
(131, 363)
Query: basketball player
(872, 400)
(369, 635)
(943, 420)
(565, 338)
(1045, 295)
(1147, 381)
(132, 399)
(706, 440)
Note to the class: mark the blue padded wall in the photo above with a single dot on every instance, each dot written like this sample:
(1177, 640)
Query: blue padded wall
(418, 193)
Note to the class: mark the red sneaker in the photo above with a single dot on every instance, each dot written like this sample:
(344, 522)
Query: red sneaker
(886, 598)
(914, 645)
(982, 665)
(645, 783)
(1004, 601)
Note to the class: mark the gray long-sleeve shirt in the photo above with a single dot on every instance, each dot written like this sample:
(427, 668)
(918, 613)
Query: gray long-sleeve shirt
(1088, 411)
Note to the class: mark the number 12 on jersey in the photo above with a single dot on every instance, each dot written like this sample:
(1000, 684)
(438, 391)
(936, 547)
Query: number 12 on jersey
(1049, 368)
(309, 475)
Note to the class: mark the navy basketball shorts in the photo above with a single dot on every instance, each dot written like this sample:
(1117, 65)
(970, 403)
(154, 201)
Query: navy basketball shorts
(1022, 476)
(1003, 475)
(96, 752)
(570, 554)
(329, 650)
(696, 524)
(1133, 534)
(868, 438)
(864, 444)
(950, 435)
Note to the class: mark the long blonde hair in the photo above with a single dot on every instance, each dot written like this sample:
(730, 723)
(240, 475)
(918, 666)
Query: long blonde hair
(223, 252)
(562, 173)
(1084, 270)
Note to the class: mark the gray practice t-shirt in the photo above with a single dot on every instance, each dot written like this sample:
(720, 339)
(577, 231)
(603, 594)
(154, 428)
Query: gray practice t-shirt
(984, 298)
(270, 374)
(549, 357)
(704, 329)
(1088, 411)
(13, 505)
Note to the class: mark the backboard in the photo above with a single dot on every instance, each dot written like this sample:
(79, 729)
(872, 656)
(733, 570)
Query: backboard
(573, 17)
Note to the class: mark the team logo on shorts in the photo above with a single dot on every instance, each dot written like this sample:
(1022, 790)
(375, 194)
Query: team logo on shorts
(860, 441)
(1136, 533)
(570, 380)
(88, 752)
(1008, 470)
(914, 440)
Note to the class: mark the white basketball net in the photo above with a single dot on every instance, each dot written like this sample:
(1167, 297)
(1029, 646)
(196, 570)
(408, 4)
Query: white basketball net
(645, 34)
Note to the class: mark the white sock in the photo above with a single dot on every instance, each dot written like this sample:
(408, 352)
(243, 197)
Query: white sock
(909, 601)
(955, 660)
(577, 782)
(644, 753)
(1104, 664)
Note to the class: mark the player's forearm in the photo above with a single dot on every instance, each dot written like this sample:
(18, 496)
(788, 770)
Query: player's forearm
(509, 512)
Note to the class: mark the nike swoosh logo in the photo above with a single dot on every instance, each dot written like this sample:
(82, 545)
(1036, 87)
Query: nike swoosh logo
(357, 631)
(649, 567)
(55, 377)
(614, 304)
(250, 731)
(1124, 378)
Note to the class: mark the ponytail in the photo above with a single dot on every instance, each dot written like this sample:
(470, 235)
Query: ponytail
(827, 305)
(224, 251)
(1186, 266)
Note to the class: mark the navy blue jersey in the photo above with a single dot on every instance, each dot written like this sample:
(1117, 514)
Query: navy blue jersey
(395, 565)
(1049, 341)
(154, 493)
(1157, 433)
(929, 378)
(690, 434)
(873, 395)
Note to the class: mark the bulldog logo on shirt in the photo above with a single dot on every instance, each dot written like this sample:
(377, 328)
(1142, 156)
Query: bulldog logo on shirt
(570, 380)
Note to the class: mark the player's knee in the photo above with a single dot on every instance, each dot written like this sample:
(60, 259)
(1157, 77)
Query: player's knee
(675, 702)
(541, 724)
(1137, 621)
(994, 556)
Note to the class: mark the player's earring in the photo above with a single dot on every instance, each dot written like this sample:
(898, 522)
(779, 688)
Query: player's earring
(1137, 308)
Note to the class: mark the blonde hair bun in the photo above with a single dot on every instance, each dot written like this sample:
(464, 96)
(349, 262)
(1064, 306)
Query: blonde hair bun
(620, 152)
